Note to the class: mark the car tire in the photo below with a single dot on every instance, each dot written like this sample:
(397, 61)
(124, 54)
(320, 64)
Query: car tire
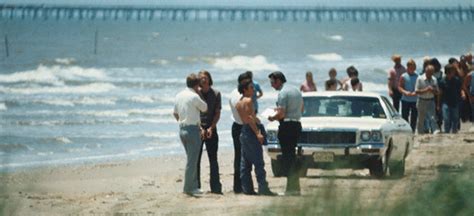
(397, 170)
(277, 168)
(377, 167)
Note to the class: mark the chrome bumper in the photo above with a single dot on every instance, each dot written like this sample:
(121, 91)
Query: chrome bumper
(274, 150)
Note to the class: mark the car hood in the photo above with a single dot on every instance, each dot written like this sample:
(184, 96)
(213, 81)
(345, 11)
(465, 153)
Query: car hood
(340, 123)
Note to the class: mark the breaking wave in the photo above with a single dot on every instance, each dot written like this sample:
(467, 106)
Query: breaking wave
(256, 63)
(326, 57)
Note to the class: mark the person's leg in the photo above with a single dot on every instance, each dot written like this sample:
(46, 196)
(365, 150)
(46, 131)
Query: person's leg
(420, 124)
(198, 168)
(191, 140)
(288, 133)
(212, 146)
(396, 99)
(413, 115)
(245, 164)
(431, 110)
(236, 128)
(446, 116)
(455, 118)
(405, 110)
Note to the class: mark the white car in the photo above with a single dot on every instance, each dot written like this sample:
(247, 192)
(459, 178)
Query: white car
(348, 130)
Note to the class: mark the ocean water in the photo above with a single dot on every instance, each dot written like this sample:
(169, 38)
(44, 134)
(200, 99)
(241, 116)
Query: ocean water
(62, 103)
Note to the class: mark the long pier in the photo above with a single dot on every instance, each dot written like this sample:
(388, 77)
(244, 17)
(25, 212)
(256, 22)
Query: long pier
(315, 14)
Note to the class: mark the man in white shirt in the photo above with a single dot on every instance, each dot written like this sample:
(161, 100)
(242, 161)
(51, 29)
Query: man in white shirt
(426, 88)
(188, 106)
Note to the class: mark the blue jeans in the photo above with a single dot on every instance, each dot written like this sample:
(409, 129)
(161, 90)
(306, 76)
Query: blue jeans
(191, 139)
(451, 118)
(252, 154)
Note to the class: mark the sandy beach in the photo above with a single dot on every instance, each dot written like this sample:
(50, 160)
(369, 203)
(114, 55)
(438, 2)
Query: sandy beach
(153, 186)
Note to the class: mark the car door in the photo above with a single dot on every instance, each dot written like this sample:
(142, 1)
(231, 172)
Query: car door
(400, 131)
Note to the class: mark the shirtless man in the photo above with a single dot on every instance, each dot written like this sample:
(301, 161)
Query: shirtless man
(252, 140)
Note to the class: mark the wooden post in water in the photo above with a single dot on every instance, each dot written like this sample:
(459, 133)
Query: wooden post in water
(6, 46)
(95, 41)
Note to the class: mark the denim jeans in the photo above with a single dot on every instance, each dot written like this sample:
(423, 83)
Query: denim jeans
(451, 118)
(252, 154)
(191, 140)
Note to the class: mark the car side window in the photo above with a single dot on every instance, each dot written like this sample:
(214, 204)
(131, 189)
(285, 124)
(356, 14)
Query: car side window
(390, 107)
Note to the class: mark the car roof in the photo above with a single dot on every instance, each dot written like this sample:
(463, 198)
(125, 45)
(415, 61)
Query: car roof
(341, 93)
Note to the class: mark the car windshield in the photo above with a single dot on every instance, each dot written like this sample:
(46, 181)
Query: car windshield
(343, 106)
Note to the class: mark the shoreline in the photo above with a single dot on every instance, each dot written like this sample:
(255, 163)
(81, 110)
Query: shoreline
(154, 185)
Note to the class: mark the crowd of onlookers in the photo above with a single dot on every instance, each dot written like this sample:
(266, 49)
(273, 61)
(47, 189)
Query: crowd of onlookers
(435, 99)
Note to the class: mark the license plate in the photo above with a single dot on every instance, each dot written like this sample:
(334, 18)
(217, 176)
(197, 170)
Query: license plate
(323, 157)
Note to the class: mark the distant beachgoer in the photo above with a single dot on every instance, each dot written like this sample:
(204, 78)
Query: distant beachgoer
(438, 74)
(332, 79)
(450, 94)
(308, 85)
(288, 113)
(252, 139)
(236, 130)
(258, 93)
(394, 75)
(210, 138)
(407, 88)
(187, 108)
(331, 85)
(426, 88)
(468, 88)
(347, 84)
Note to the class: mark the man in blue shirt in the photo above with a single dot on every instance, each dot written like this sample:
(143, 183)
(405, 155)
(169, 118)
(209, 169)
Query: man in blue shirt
(288, 112)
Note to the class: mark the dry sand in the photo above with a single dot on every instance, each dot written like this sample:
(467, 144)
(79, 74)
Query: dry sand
(153, 186)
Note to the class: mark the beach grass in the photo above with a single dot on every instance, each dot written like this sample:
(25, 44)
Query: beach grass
(451, 193)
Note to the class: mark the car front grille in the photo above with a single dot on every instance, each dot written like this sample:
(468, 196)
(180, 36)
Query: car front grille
(327, 137)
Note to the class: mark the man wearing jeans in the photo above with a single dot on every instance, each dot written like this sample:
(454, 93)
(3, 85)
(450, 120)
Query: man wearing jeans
(450, 96)
(426, 88)
(288, 112)
(187, 108)
(409, 98)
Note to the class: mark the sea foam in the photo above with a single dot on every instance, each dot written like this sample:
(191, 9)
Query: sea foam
(326, 57)
(256, 63)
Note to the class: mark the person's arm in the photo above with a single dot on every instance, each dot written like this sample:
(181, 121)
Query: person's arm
(391, 76)
(200, 104)
(280, 110)
(175, 112)
(467, 82)
(418, 90)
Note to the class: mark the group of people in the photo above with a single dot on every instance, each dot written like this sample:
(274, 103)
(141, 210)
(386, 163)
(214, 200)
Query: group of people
(428, 101)
(197, 110)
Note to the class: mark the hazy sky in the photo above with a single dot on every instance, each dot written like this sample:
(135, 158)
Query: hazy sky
(377, 3)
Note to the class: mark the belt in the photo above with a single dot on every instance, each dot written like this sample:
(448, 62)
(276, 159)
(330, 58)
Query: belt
(427, 99)
(290, 120)
(187, 125)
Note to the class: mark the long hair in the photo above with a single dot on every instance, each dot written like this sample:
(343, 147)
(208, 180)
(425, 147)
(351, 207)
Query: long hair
(206, 73)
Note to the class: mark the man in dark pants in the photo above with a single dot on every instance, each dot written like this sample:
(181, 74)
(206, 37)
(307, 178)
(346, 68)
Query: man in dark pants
(236, 130)
(209, 136)
(288, 112)
(394, 75)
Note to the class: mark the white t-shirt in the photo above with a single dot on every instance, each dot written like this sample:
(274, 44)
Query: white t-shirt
(188, 106)
(422, 82)
(233, 100)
